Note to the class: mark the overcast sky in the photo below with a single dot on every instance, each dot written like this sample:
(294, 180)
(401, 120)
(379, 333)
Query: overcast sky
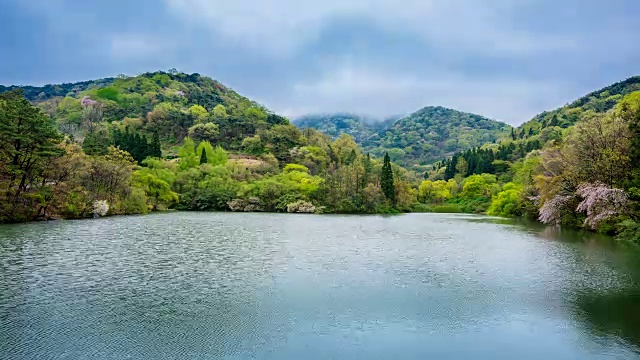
(505, 59)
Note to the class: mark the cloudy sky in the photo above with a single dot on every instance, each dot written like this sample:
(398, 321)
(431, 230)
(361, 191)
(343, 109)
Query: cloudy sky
(505, 59)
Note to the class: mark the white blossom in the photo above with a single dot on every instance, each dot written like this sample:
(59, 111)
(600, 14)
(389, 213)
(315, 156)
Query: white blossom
(601, 202)
(551, 211)
(100, 208)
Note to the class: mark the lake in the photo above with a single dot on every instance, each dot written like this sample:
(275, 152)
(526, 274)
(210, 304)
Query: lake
(183, 285)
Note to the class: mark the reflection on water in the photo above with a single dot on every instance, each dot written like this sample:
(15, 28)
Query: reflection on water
(216, 285)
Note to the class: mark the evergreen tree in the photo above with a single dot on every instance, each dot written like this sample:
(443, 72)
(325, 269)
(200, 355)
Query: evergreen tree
(136, 148)
(203, 157)
(145, 149)
(513, 134)
(367, 170)
(95, 143)
(386, 180)
(156, 150)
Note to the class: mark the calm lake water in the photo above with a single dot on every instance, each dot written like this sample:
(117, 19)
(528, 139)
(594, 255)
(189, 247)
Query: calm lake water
(277, 286)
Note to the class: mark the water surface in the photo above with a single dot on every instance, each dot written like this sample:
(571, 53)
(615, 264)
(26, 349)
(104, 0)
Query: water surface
(276, 286)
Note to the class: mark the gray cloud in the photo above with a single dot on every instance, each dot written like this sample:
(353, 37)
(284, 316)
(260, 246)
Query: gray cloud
(503, 59)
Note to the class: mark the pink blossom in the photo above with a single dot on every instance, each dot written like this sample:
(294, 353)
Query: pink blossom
(551, 211)
(86, 101)
(601, 202)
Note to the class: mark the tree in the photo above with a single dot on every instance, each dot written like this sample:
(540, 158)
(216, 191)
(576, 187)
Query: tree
(96, 142)
(158, 191)
(507, 202)
(600, 203)
(29, 140)
(155, 148)
(220, 112)
(199, 114)
(386, 180)
(187, 154)
(204, 132)
(203, 157)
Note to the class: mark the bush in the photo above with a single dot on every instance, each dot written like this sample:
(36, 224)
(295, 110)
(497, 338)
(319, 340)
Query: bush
(451, 208)
(629, 230)
(135, 203)
(301, 207)
(422, 208)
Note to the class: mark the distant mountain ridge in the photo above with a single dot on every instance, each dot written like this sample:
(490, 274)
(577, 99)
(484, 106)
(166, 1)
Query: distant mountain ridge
(49, 91)
(416, 140)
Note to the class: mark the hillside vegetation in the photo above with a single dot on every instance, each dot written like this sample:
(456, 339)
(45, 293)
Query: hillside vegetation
(414, 141)
(173, 140)
(576, 166)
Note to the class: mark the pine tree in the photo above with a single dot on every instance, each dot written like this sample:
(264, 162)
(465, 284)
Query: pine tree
(137, 148)
(203, 157)
(386, 180)
(156, 150)
(367, 170)
(513, 134)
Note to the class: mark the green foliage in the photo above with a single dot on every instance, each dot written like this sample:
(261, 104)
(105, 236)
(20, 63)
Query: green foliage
(629, 230)
(203, 157)
(29, 141)
(386, 180)
(436, 191)
(507, 202)
(136, 145)
(451, 208)
(96, 142)
(140, 114)
(108, 93)
(295, 167)
(204, 132)
(187, 154)
(413, 140)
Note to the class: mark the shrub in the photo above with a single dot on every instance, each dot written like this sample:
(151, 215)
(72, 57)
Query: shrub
(629, 230)
(451, 208)
(422, 208)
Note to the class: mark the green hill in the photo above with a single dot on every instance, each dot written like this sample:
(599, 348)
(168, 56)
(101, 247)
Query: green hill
(575, 166)
(544, 127)
(49, 91)
(173, 140)
(416, 140)
(170, 105)
(359, 127)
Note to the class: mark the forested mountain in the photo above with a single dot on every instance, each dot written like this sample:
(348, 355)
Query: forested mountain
(46, 92)
(415, 140)
(336, 124)
(174, 140)
(185, 141)
(544, 127)
(576, 166)
(168, 104)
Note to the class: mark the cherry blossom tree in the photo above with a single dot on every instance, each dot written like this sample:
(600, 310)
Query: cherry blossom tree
(601, 202)
(552, 210)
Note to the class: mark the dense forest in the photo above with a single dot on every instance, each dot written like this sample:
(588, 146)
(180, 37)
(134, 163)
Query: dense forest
(359, 127)
(413, 141)
(577, 166)
(172, 140)
(169, 140)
